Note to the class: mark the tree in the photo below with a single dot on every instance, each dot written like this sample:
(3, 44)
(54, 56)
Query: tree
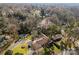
(52, 30)
(42, 13)
(9, 52)
(18, 53)
(46, 51)
(3, 25)
(20, 16)
(23, 29)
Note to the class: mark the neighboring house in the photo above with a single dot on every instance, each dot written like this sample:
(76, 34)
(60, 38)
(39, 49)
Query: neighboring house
(39, 42)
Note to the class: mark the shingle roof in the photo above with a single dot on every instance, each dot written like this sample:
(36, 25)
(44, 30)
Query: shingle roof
(39, 42)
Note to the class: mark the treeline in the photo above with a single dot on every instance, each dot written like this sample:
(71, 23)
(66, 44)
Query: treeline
(29, 18)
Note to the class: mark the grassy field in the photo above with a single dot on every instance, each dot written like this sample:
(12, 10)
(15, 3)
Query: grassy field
(56, 50)
(18, 49)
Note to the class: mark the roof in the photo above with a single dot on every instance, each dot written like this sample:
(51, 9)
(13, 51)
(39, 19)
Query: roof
(22, 35)
(39, 42)
(57, 37)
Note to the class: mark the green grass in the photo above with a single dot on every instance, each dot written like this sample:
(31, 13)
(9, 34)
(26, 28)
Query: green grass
(18, 49)
(29, 37)
(56, 50)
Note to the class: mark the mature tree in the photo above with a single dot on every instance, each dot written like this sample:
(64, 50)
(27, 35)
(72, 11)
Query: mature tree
(42, 13)
(9, 52)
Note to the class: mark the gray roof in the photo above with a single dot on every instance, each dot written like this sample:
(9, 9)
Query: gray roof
(58, 36)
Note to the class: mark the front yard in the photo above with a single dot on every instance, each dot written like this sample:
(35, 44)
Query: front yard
(21, 48)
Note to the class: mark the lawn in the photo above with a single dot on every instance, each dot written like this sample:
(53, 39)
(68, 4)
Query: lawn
(29, 37)
(56, 50)
(18, 49)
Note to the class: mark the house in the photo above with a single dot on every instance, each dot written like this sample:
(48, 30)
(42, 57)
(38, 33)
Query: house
(39, 42)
